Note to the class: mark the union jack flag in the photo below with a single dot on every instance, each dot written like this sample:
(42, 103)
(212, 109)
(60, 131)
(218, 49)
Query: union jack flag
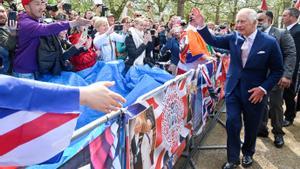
(29, 138)
(170, 106)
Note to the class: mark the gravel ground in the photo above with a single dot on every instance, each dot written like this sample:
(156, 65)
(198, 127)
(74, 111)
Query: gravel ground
(267, 156)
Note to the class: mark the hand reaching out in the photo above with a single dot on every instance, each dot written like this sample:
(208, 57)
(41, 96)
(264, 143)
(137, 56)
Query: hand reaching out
(98, 96)
(80, 22)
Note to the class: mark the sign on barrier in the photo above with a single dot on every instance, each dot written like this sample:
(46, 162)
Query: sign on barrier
(157, 135)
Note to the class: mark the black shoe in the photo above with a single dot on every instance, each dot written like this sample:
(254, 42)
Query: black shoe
(286, 123)
(247, 161)
(278, 141)
(230, 165)
(263, 134)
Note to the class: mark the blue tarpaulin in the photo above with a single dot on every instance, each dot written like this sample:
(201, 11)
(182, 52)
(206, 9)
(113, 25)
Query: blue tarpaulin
(136, 82)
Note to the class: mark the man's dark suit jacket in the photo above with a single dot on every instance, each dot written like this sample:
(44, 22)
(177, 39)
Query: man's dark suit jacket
(288, 50)
(265, 56)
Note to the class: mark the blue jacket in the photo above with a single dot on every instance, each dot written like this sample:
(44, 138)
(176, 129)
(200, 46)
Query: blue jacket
(264, 66)
(23, 94)
(172, 44)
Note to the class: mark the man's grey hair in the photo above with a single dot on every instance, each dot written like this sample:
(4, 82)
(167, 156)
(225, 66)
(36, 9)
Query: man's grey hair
(294, 12)
(251, 13)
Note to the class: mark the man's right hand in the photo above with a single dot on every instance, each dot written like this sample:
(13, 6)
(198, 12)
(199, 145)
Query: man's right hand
(12, 26)
(197, 17)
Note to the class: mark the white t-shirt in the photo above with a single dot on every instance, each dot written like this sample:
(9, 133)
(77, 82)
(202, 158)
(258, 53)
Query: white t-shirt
(106, 44)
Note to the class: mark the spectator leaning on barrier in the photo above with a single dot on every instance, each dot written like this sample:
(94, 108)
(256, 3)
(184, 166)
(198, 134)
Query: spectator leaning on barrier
(105, 39)
(7, 40)
(137, 44)
(29, 33)
(86, 58)
(173, 46)
(121, 52)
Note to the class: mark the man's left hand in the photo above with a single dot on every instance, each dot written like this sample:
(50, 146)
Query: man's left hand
(257, 95)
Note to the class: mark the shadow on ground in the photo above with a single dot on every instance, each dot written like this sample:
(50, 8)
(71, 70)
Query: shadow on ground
(267, 156)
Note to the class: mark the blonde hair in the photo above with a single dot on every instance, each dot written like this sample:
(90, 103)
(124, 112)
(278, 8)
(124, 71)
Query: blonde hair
(100, 21)
(139, 20)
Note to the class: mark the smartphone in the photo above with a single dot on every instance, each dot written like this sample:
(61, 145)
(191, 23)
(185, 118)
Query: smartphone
(12, 15)
(118, 27)
(152, 32)
(84, 34)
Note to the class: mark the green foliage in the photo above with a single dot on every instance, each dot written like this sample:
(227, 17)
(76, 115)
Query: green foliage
(218, 11)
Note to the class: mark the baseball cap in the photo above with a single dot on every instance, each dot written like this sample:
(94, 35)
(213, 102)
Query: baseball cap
(25, 2)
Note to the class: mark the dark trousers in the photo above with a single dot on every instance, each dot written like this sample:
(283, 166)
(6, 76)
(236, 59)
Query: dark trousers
(288, 96)
(237, 104)
(273, 110)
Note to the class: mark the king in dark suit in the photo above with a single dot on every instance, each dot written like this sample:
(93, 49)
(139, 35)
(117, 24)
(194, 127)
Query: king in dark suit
(255, 67)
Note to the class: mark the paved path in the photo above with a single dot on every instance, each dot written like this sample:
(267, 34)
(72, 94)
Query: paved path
(267, 156)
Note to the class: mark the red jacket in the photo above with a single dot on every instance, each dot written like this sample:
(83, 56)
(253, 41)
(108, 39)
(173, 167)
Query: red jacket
(85, 59)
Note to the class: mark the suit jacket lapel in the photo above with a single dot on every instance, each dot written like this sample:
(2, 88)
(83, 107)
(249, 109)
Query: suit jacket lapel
(292, 29)
(272, 31)
(239, 43)
(255, 46)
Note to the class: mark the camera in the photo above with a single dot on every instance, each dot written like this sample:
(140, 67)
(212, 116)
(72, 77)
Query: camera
(103, 10)
(152, 32)
(52, 8)
(222, 27)
(118, 27)
(67, 7)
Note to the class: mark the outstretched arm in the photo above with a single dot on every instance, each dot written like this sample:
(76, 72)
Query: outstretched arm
(23, 94)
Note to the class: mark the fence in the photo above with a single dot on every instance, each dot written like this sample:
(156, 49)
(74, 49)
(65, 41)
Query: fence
(158, 126)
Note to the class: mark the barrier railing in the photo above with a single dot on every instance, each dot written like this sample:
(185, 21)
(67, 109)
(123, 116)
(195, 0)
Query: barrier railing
(157, 103)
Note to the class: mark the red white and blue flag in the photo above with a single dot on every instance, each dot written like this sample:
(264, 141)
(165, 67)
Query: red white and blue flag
(105, 150)
(220, 77)
(29, 138)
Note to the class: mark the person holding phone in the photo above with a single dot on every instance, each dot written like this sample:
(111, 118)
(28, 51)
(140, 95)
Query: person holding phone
(29, 32)
(106, 37)
(86, 58)
(8, 28)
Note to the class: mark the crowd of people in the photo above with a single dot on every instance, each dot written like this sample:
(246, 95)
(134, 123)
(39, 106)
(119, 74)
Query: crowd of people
(263, 73)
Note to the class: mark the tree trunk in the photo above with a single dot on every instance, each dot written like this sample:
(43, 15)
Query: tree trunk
(180, 8)
(217, 19)
(235, 8)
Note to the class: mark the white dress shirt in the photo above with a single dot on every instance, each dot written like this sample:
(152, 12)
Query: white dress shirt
(290, 26)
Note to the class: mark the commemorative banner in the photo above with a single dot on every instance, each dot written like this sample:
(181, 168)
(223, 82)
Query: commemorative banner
(161, 126)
